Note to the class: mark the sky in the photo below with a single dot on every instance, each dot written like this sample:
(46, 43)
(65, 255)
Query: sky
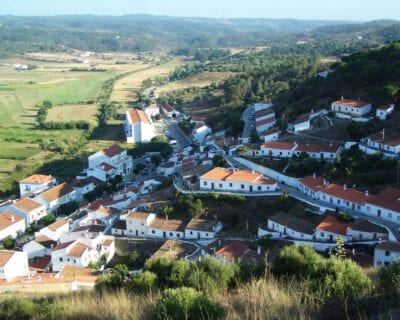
(362, 10)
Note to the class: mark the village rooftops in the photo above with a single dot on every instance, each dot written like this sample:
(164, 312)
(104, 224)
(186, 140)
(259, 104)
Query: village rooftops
(331, 148)
(45, 241)
(236, 250)
(388, 198)
(136, 116)
(170, 224)
(7, 218)
(279, 145)
(5, 255)
(57, 192)
(107, 242)
(106, 167)
(112, 150)
(57, 225)
(333, 225)
(77, 250)
(388, 246)
(27, 204)
(345, 193)
(313, 182)
(265, 121)
(302, 118)
(366, 226)
(37, 179)
(391, 138)
(138, 215)
(351, 103)
(63, 245)
(201, 225)
(293, 222)
(219, 174)
(168, 164)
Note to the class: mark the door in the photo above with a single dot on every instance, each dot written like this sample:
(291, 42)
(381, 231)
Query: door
(198, 235)
(137, 233)
(251, 188)
(164, 234)
(284, 230)
(331, 238)
(379, 213)
(353, 207)
(212, 185)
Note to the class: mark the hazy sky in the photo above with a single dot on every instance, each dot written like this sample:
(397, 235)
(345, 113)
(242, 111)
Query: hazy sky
(299, 9)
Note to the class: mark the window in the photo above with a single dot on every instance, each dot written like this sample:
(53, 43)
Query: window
(387, 253)
(220, 185)
(178, 235)
(191, 232)
(322, 234)
(153, 231)
(390, 215)
(368, 208)
(61, 259)
(338, 201)
(231, 185)
(259, 188)
(242, 186)
(142, 223)
(205, 183)
(74, 260)
(171, 234)
(206, 234)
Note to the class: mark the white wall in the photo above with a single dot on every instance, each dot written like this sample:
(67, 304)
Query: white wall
(235, 186)
(322, 235)
(285, 231)
(382, 257)
(13, 230)
(197, 234)
(35, 188)
(16, 266)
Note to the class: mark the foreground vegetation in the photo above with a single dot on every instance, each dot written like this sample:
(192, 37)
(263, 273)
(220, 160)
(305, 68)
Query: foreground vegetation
(300, 284)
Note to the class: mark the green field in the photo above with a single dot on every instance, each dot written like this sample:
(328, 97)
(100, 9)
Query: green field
(73, 112)
(18, 151)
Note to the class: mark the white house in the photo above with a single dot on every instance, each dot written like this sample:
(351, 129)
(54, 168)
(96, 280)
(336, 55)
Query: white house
(11, 225)
(263, 125)
(382, 112)
(262, 105)
(109, 163)
(236, 180)
(39, 247)
(13, 264)
(355, 108)
(330, 229)
(343, 198)
(290, 226)
(54, 230)
(324, 151)
(301, 123)
(269, 135)
(311, 185)
(170, 111)
(84, 186)
(363, 230)
(384, 205)
(119, 228)
(166, 169)
(166, 228)
(137, 223)
(202, 229)
(83, 251)
(386, 142)
(57, 196)
(201, 132)
(138, 126)
(278, 149)
(35, 184)
(386, 253)
(27, 208)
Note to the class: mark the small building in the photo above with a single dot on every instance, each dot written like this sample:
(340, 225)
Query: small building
(119, 228)
(385, 253)
(138, 126)
(54, 230)
(202, 229)
(26, 208)
(383, 111)
(201, 132)
(237, 180)
(108, 163)
(290, 226)
(236, 251)
(318, 151)
(355, 108)
(84, 186)
(330, 229)
(137, 223)
(13, 264)
(167, 228)
(265, 124)
(169, 111)
(167, 169)
(301, 123)
(343, 198)
(269, 135)
(11, 225)
(386, 142)
(311, 185)
(363, 230)
(278, 149)
(384, 205)
(261, 105)
(35, 184)
(39, 247)
(57, 196)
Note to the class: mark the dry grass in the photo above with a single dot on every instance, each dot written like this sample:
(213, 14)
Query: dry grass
(75, 112)
(198, 80)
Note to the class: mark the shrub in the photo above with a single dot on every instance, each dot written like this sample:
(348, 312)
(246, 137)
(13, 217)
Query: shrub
(161, 267)
(48, 219)
(17, 309)
(9, 243)
(389, 279)
(144, 282)
(187, 303)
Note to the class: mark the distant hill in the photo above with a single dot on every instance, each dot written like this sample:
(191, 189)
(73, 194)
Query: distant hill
(146, 32)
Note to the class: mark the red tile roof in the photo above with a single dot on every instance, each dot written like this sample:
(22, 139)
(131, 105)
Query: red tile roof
(37, 178)
(315, 184)
(351, 103)
(391, 138)
(137, 116)
(388, 198)
(278, 145)
(57, 192)
(5, 255)
(348, 194)
(262, 113)
(234, 250)
(333, 225)
(168, 107)
(265, 121)
(40, 264)
(388, 245)
(106, 167)
(27, 204)
(332, 148)
(138, 215)
(222, 174)
(113, 150)
(8, 218)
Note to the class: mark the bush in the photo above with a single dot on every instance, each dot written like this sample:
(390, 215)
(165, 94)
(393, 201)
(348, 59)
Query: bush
(9, 243)
(161, 267)
(389, 279)
(144, 282)
(187, 303)
(218, 161)
(17, 309)
(48, 219)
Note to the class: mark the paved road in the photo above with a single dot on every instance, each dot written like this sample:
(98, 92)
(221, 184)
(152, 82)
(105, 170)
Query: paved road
(182, 139)
(247, 122)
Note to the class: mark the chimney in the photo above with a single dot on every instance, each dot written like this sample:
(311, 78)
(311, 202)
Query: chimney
(344, 187)
(314, 175)
(12, 218)
(366, 193)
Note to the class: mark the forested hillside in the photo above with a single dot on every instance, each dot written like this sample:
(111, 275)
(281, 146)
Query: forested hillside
(144, 32)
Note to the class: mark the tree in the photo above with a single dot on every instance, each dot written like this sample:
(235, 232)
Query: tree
(195, 207)
(186, 303)
(159, 139)
(47, 104)
(17, 309)
(254, 138)
(156, 160)
(48, 219)
(389, 280)
(340, 252)
(8, 243)
(144, 282)
(218, 161)
(242, 149)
